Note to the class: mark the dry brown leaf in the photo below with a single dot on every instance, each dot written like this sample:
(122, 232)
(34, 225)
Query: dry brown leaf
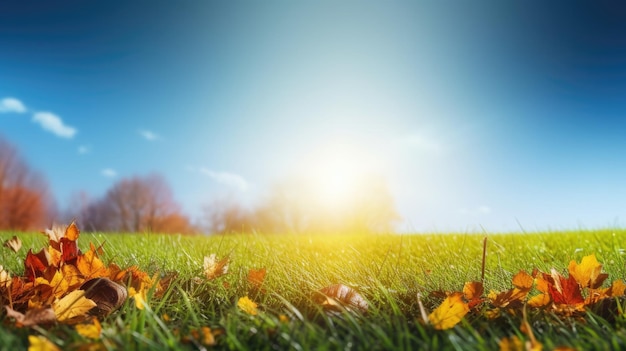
(338, 296)
(108, 295)
(14, 243)
(214, 268)
(34, 316)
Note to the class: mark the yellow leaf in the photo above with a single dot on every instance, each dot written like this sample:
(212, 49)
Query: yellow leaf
(140, 296)
(449, 313)
(512, 344)
(247, 305)
(90, 330)
(214, 268)
(539, 300)
(58, 285)
(72, 305)
(40, 343)
(588, 273)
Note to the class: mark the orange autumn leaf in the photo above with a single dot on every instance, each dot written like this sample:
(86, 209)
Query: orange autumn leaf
(139, 295)
(449, 313)
(588, 273)
(256, 277)
(247, 305)
(14, 243)
(90, 265)
(473, 292)
(214, 268)
(516, 296)
(204, 336)
(523, 280)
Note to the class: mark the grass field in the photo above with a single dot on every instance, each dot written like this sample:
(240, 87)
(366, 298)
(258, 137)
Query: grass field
(387, 270)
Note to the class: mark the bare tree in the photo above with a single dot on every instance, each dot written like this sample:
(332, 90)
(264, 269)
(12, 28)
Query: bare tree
(25, 203)
(137, 204)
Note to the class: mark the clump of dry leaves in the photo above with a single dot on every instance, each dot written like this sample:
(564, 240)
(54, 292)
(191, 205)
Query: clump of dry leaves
(61, 284)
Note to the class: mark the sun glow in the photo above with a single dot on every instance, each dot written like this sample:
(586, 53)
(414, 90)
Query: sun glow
(337, 176)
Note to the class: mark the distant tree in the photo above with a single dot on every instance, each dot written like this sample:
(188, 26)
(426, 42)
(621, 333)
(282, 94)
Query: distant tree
(137, 204)
(25, 202)
(225, 216)
(292, 207)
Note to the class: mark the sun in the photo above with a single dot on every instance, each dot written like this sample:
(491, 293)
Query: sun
(336, 177)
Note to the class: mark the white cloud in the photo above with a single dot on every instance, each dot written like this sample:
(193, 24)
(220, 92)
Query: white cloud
(10, 104)
(149, 135)
(230, 179)
(52, 123)
(109, 173)
(84, 149)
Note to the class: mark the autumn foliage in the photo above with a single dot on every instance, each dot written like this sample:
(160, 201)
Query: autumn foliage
(25, 203)
(62, 284)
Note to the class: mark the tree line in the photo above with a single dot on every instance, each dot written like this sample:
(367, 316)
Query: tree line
(147, 204)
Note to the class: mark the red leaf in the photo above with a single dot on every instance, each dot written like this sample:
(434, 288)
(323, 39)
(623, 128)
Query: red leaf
(69, 251)
(35, 264)
(569, 292)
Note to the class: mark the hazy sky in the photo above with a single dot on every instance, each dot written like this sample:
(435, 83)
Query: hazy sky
(476, 113)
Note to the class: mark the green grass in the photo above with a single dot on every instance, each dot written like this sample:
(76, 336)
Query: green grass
(388, 270)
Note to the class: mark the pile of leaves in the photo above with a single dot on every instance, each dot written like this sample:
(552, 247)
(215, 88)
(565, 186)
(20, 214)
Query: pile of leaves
(61, 284)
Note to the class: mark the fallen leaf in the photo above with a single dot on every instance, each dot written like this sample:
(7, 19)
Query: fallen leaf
(565, 291)
(14, 243)
(72, 305)
(214, 268)
(34, 316)
(36, 264)
(204, 336)
(247, 305)
(449, 313)
(41, 343)
(512, 343)
(516, 296)
(91, 330)
(139, 295)
(256, 277)
(338, 296)
(5, 278)
(107, 295)
(588, 273)
(90, 265)
(473, 292)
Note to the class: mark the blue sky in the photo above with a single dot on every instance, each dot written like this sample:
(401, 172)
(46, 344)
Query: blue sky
(478, 115)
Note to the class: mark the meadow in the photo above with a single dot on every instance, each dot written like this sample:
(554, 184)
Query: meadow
(394, 274)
